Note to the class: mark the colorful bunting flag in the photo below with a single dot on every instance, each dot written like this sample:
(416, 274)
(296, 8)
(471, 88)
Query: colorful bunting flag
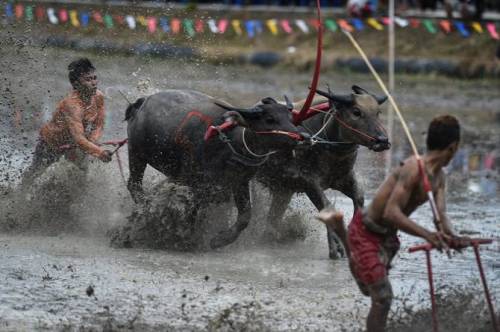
(272, 25)
(222, 26)
(386, 20)
(51, 14)
(344, 25)
(119, 19)
(97, 17)
(401, 22)
(462, 29)
(84, 19)
(415, 23)
(213, 26)
(176, 25)
(236, 24)
(429, 26)
(188, 27)
(374, 24)
(492, 30)
(73, 17)
(199, 26)
(19, 11)
(63, 15)
(250, 27)
(358, 24)
(164, 24)
(130, 21)
(108, 21)
(302, 26)
(285, 25)
(28, 12)
(39, 13)
(331, 25)
(477, 27)
(445, 25)
(8, 10)
(152, 24)
(258, 26)
(141, 19)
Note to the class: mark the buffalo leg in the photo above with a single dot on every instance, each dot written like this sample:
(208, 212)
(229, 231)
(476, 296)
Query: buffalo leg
(351, 188)
(241, 195)
(334, 234)
(137, 166)
(279, 204)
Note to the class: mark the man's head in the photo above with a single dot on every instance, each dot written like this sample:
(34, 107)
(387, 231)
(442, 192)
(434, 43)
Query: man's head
(82, 76)
(444, 136)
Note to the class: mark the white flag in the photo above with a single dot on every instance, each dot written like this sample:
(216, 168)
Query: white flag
(130, 21)
(52, 16)
(302, 26)
(213, 26)
(403, 23)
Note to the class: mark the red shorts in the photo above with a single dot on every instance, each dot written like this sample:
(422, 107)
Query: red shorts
(371, 253)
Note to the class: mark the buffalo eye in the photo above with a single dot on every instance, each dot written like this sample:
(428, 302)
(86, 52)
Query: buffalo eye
(356, 112)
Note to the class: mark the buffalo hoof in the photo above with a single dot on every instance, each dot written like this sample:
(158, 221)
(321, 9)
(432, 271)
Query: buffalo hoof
(223, 239)
(337, 252)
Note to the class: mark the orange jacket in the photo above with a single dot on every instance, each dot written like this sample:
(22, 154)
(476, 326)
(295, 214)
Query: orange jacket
(76, 124)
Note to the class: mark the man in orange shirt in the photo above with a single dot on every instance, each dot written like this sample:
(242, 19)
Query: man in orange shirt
(75, 127)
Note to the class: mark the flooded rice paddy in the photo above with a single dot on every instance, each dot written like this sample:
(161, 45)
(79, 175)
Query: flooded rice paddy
(62, 274)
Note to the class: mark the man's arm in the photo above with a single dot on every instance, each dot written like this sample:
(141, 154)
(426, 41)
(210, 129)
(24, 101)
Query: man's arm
(73, 116)
(96, 132)
(445, 224)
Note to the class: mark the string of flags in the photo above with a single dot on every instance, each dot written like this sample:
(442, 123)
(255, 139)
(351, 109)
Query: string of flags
(251, 28)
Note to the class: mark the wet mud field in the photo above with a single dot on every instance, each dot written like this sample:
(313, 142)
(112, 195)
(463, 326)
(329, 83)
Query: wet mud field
(59, 272)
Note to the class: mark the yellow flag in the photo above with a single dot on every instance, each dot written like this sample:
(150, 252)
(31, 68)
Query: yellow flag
(142, 20)
(237, 27)
(273, 26)
(374, 24)
(73, 16)
(477, 27)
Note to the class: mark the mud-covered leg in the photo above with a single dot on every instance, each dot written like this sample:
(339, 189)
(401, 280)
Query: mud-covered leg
(381, 296)
(241, 194)
(335, 249)
(279, 204)
(137, 166)
(352, 189)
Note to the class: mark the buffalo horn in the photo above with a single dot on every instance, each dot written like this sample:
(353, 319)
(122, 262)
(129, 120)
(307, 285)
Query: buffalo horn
(289, 103)
(345, 99)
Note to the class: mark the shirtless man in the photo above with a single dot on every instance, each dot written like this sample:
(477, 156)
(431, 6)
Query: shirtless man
(75, 127)
(372, 234)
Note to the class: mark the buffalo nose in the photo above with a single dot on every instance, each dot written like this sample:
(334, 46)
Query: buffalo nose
(382, 139)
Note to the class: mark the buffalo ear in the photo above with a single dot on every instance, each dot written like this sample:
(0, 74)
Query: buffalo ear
(359, 90)
(268, 100)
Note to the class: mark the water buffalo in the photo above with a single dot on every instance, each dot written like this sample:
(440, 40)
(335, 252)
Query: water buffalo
(350, 120)
(168, 131)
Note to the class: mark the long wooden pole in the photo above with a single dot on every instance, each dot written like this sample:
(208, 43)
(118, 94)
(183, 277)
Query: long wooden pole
(390, 114)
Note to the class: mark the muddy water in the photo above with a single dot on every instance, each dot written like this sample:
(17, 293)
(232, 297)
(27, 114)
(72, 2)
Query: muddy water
(250, 285)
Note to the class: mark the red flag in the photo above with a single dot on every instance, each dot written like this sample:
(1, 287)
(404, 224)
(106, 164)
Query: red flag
(414, 22)
(345, 25)
(222, 26)
(40, 13)
(285, 24)
(63, 15)
(315, 23)
(445, 25)
(199, 26)
(119, 19)
(97, 17)
(19, 11)
(152, 24)
(176, 25)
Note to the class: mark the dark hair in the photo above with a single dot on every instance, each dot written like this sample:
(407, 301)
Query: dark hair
(443, 131)
(79, 67)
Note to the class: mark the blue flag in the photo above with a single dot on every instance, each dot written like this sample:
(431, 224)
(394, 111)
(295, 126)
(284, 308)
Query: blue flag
(164, 24)
(358, 24)
(84, 19)
(8, 10)
(250, 27)
(462, 29)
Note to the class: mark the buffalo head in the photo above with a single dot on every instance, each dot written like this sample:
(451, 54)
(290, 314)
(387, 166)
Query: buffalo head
(269, 120)
(357, 116)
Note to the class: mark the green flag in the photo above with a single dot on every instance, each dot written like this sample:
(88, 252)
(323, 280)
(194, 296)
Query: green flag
(429, 26)
(188, 27)
(331, 25)
(108, 21)
(29, 13)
